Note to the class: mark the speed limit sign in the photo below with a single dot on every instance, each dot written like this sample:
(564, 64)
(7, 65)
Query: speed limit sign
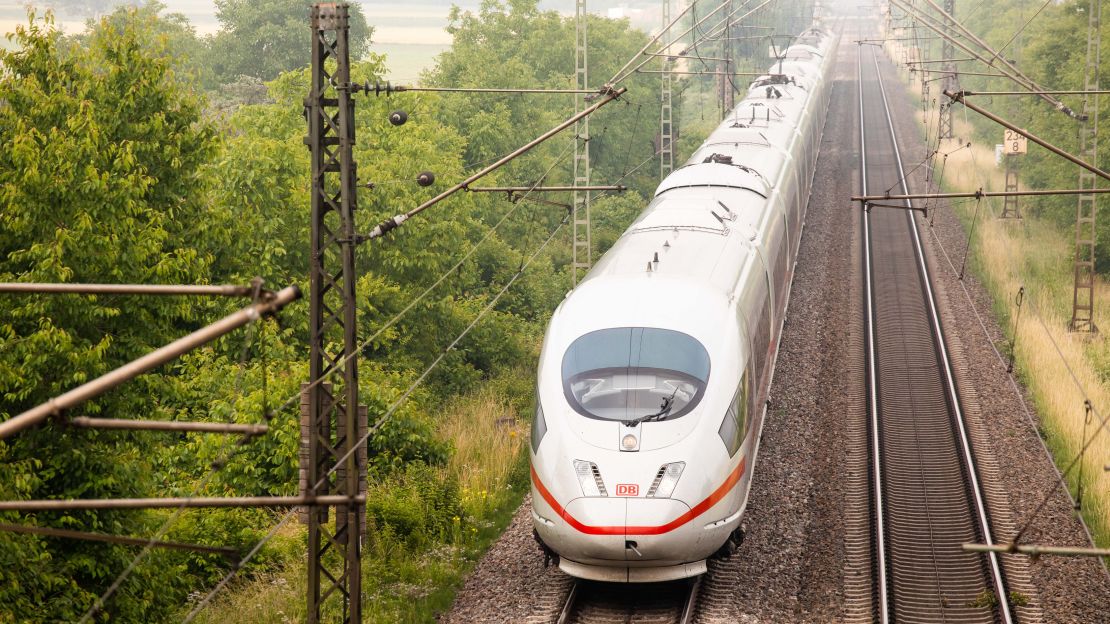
(1014, 142)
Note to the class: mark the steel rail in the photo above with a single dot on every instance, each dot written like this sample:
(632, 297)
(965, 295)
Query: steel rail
(691, 605)
(569, 605)
(873, 384)
(982, 514)
(127, 289)
(160, 356)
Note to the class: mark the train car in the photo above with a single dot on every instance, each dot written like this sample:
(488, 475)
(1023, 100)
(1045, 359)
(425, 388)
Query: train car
(654, 375)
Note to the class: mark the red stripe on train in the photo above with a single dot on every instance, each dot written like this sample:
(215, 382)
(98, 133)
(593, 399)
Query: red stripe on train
(694, 511)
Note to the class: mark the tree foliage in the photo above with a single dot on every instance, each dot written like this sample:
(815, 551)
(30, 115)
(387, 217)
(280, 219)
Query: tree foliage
(111, 171)
(262, 38)
(99, 182)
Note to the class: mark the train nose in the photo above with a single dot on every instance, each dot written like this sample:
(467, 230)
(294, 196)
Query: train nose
(629, 529)
(598, 528)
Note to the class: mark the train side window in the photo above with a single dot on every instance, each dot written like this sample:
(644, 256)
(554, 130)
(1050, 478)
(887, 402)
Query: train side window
(734, 426)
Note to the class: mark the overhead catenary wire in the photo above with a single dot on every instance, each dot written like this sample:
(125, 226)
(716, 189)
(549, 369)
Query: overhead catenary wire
(391, 223)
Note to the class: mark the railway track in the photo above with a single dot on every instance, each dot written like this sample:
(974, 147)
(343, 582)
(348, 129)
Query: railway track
(926, 496)
(634, 603)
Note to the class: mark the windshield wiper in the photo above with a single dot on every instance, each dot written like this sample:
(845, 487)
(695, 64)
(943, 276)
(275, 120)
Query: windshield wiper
(664, 409)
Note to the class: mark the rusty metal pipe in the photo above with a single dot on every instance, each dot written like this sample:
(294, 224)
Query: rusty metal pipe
(115, 539)
(167, 425)
(127, 289)
(174, 503)
(133, 369)
(1036, 551)
(977, 194)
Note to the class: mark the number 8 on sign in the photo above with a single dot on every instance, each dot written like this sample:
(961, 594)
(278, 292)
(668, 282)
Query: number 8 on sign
(1014, 142)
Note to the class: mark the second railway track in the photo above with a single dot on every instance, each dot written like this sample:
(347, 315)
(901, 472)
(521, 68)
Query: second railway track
(926, 496)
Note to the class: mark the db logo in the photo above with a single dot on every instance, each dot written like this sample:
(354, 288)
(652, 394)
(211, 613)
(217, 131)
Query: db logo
(628, 489)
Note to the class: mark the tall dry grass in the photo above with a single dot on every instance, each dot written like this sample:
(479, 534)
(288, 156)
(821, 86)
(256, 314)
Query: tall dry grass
(488, 437)
(1059, 367)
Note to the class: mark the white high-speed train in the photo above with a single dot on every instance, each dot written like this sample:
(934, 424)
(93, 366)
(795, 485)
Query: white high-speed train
(655, 370)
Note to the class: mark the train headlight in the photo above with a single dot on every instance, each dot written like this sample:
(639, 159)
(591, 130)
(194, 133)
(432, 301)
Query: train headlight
(629, 442)
(666, 480)
(589, 477)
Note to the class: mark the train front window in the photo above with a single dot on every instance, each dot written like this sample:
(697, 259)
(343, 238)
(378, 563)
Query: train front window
(635, 374)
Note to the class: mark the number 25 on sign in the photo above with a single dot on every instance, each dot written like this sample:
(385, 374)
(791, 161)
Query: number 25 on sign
(1014, 142)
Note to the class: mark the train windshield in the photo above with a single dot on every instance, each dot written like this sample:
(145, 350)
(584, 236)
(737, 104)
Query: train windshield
(635, 373)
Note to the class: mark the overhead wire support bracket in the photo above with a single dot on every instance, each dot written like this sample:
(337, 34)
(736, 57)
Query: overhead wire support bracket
(130, 289)
(977, 194)
(174, 503)
(958, 97)
(378, 88)
(107, 381)
(967, 93)
(546, 189)
(1037, 551)
(86, 422)
(229, 553)
(609, 94)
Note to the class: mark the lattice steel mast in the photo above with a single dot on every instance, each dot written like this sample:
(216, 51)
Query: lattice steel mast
(1083, 294)
(951, 83)
(332, 427)
(666, 127)
(581, 260)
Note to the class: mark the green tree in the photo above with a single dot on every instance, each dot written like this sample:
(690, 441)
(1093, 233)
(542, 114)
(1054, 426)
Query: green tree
(262, 38)
(169, 33)
(102, 149)
(512, 43)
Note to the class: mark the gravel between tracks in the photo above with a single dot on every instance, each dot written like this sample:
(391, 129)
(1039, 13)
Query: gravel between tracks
(792, 565)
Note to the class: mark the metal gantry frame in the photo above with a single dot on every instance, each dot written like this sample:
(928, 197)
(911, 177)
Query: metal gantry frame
(666, 124)
(581, 245)
(330, 468)
(1083, 292)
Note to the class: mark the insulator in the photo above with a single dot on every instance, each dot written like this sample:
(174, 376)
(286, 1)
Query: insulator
(398, 117)
(426, 178)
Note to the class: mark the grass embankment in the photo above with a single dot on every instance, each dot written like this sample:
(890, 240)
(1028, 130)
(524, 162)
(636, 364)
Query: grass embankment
(1032, 253)
(406, 579)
